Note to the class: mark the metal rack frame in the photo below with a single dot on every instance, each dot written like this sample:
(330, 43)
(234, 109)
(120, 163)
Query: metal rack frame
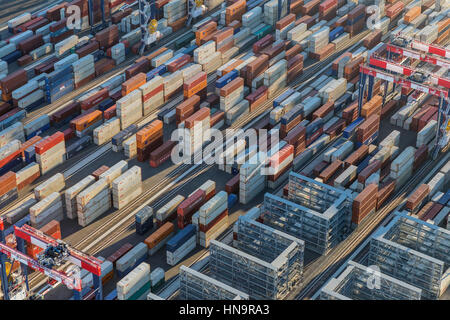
(315, 212)
(197, 286)
(352, 284)
(413, 251)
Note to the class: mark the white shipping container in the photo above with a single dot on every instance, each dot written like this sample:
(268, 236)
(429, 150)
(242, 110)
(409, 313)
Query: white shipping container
(54, 184)
(115, 171)
(133, 281)
(70, 196)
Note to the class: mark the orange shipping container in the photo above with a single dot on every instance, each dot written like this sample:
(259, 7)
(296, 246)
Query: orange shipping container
(412, 14)
(205, 31)
(133, 83)
(145, 135)
(159, 235)
(86, 121)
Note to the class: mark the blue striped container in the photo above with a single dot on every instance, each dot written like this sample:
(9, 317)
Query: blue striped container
(119, 138)
(190, 50)
(230, 76)
(335, 33)
(292, 114)
(12, 119)
(283, 97)
(350, 131)
(181, 237)
(12, 57)
(363, 164)
(445, 198)
(232, 200)
(77, 146)
(105, 104)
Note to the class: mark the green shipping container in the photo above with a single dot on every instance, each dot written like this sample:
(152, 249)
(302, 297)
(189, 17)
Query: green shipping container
(145, 288)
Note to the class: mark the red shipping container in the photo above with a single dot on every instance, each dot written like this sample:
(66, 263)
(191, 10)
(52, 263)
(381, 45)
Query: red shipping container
(189, 206)
(49, 143)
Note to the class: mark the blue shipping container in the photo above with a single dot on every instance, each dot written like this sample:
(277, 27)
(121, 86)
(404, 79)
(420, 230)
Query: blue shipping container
(112, 295)
(12, 57)
(283, 97)
(232, 200)
(292, 114)
(230, 76)
(351, 128)
(181, 237)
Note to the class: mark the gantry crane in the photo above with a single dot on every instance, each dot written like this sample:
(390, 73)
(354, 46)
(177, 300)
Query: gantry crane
(55, 253)
(195, 9)
(91, 15)
(149, 24)
(410, 78)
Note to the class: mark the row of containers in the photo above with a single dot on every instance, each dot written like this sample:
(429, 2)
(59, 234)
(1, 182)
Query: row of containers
(324, 99)
(213, 54)
(231, 101)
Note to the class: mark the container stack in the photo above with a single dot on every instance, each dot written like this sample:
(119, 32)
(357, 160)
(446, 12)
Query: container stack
(83, 70)
(251, 179)
(46, 210)
(14, 132)
(235, 11)
(50, 152)
(231, 94)
(162, 153)
(136, 284)
(168, 212)
(175, 10)
(148, 139)
(365, 203)
(114, 172)
(93, 202)
(279, 166)
(283, 26)
(318, 45)
(373, 106)
(131, 259)
(275, 77)
(85, 124)
(356, 20)
(159, 238)
(195, 85)
(427, 133)
(198, 126)
(333, 90)
(127, 187)
(212, 218)
(181, 244)
(152, 95)
(129, 108)
(27, 175)
(367, 132)
(144, 220)
(173, 84)
(188, 207)
(59, 83)
(417, 198)
(105, 132)
(54, 184)
(207, 56)
(328, 10)
(271, 12)
(118, 139)
(8, 189)
(130, 147)
(187, 108)
(118, 53)
(70, 195)
(402, 166)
